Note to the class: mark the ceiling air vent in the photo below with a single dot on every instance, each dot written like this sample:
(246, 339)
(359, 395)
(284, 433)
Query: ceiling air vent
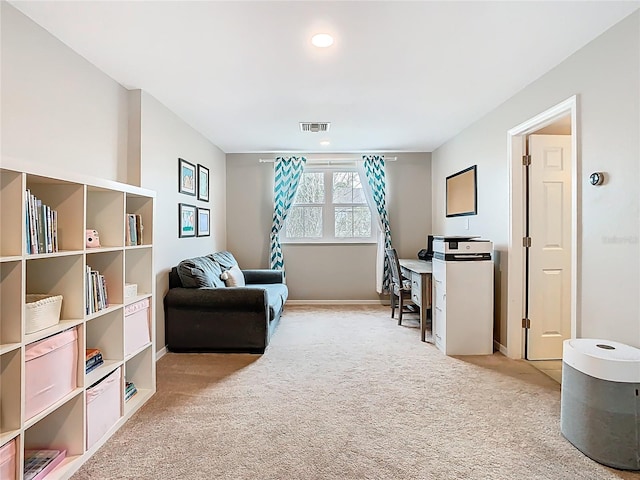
(314, 127)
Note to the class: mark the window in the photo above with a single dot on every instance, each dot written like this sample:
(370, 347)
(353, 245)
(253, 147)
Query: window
(330, 206)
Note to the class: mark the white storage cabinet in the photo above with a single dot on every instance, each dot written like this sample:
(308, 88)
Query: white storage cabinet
(462, 306)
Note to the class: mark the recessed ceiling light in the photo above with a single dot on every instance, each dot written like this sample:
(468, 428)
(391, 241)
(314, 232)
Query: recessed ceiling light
(322, 40)
(324, 143)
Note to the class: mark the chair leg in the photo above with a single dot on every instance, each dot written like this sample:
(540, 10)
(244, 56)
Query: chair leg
(401, 307)
(393, 305)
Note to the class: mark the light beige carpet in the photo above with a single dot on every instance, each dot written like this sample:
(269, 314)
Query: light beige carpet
(345, 393)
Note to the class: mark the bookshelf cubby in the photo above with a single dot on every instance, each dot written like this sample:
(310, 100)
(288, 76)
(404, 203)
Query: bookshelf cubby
(81, 204)
(140, 369)
(11, 291)
(11, 371)
(11, 188)
(105, 333)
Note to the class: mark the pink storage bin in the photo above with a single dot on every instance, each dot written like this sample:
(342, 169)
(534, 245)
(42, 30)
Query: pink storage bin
(136, 326)
(103, 406)
(50, 371)
(8, 461)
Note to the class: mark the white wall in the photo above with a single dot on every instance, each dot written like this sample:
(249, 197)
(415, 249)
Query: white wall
(165, 138)
(325, 272)
(606, 77)
(57, 108)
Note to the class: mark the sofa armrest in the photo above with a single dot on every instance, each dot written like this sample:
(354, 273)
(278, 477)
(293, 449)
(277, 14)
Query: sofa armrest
(232, 298)
(221, 319)
(263, 276)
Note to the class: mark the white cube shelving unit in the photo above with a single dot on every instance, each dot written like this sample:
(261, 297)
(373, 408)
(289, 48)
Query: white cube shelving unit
(82, 203)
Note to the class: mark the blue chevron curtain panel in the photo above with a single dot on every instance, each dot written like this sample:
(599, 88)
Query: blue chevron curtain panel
(373, 167)
(288, 172)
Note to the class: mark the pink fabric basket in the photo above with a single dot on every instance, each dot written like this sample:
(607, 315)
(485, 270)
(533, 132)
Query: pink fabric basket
(103, 406)
(136, 326)
(50, 371)
(8, 461)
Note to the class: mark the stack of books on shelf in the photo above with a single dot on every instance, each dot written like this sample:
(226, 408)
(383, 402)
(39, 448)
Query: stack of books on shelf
(93, 359)
(133, 229)
(41, 226)
(96, 291)
(129, 391)
(38, 463)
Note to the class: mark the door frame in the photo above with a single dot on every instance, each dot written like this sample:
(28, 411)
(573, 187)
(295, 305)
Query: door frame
(516, 148)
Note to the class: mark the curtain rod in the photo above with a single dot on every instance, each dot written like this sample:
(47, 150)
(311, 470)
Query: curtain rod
(327, 160)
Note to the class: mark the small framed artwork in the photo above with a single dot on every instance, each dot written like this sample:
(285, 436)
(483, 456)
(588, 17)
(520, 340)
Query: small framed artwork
(186, 220)
(186, 177)
(204, 222)
(203, 183)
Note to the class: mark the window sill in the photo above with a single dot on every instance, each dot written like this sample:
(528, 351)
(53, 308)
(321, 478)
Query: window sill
(327, 242)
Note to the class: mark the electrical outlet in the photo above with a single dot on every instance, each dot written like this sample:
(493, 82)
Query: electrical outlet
(466, 224)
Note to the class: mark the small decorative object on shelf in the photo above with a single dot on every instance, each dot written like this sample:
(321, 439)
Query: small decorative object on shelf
(130, 290)
(93, 239)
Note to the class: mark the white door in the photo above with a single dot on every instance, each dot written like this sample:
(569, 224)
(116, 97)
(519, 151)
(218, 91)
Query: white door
(549, 293)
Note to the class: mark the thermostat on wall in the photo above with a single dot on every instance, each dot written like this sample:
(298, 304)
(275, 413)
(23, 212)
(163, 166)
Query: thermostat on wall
(596, 178)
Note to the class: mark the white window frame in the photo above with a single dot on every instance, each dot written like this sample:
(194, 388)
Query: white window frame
(328, 212)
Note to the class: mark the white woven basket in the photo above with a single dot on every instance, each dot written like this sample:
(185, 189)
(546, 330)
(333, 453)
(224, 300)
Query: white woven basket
(41, 311)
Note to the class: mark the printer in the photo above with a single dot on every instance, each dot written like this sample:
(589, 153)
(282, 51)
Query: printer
(461, 248)
(462, 295)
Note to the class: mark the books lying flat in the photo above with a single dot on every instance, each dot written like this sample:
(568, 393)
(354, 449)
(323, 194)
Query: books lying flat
(93, 359)
(92, 367)
(92, 352)
(38, 463)
(129, 391)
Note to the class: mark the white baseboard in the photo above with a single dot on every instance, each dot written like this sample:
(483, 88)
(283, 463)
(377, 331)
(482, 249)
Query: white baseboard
(501, 348)
(161, 353)
(335, 302)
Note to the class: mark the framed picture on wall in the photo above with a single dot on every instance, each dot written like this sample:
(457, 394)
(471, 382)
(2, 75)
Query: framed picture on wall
(204, 222)
(203, 183)
(186, 220)
(186, 177)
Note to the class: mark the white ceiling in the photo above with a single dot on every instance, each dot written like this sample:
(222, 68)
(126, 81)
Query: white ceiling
(401, 76)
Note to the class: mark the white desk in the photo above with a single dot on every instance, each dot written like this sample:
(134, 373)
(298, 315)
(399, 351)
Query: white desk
(419, 272)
